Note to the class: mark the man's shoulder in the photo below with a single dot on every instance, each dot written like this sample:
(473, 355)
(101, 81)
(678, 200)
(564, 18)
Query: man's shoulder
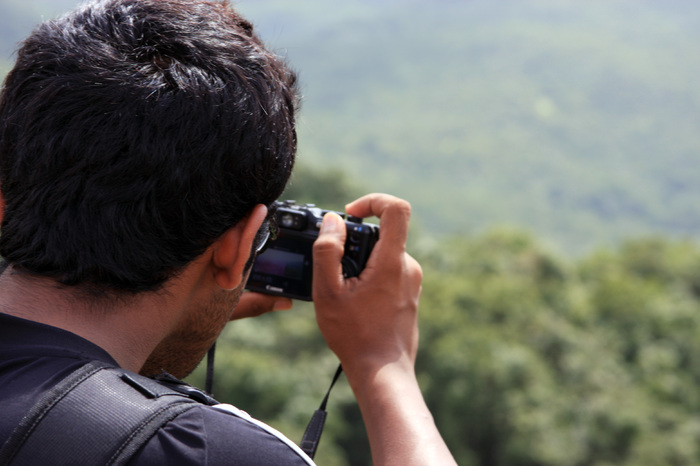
(220, 434)
(117, 412)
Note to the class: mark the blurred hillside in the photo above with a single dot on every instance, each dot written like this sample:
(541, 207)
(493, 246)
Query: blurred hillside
(576, 120)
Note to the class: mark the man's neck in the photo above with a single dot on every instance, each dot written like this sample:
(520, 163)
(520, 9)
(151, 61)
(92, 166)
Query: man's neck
(124, 328)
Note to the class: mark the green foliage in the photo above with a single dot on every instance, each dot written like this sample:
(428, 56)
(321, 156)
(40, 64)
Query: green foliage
(527, 359)
(330, 189)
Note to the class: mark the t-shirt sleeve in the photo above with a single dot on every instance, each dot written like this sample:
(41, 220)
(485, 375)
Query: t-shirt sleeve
(219, 435)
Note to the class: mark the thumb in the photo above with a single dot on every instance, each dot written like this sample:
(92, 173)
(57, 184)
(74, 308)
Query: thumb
(333, 225)
(328, 251)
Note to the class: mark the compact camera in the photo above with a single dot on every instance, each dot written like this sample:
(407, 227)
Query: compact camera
(285, 268)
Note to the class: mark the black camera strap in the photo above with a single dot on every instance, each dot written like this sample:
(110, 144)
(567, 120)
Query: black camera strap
(312, 435)
(209, 382)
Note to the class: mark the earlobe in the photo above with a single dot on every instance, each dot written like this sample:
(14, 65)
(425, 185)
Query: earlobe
(233, 249)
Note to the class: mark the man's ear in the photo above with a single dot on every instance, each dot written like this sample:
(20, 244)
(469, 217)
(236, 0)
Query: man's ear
(233, 249)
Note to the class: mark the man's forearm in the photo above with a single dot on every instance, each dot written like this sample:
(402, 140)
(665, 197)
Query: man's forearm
(399, 425)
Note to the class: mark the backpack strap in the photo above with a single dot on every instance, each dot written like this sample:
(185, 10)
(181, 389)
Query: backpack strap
(99, 414)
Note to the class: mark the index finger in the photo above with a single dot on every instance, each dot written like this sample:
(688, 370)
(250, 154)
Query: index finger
(253, 304)
(394, 215)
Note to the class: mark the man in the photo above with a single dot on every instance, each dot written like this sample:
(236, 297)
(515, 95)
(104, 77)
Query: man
(141, 143)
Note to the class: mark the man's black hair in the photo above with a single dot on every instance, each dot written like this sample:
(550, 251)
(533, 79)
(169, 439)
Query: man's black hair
(133, 133)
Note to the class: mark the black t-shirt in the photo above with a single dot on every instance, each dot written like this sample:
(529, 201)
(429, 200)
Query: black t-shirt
(34, 357)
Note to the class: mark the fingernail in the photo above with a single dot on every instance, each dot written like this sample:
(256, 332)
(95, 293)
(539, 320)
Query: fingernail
(282, 305)
(330, 223)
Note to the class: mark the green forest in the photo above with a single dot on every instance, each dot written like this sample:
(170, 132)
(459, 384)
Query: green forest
(551, 152)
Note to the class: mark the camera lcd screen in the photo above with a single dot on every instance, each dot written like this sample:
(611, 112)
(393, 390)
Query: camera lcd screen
(285, 268)
(281, 263)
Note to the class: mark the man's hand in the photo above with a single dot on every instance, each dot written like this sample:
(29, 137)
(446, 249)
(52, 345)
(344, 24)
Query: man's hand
(370, 322)
(254, 304)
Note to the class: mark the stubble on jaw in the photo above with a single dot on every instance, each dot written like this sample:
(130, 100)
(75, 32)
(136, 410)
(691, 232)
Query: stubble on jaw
(183, 349)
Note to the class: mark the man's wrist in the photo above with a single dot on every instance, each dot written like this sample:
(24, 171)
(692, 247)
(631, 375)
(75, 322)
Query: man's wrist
(371, 378)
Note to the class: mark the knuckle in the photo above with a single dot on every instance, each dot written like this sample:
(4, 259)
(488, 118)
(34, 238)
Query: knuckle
(406, 206)
(414, 273)
(417, 272)
(403, 206)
